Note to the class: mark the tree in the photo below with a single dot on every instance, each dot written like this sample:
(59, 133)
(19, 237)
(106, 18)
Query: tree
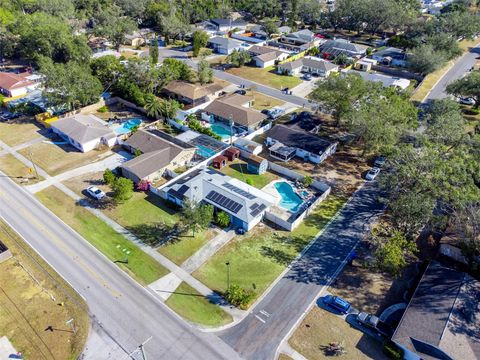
(205, 73)
(69, 84)
(445, 123)
(270, 27)
(107, 69)
(196, 216)
(169, 108)
(109, 177)
(200, 39)
(122, 189)
(391, 254)
(466, 222)
(238, 58)
(307, 181)
(153, 51)
(153, 105)
(468, 86)
(314, 51)
(177, 69)
(222, 219)
(424, 59)
(110, 22)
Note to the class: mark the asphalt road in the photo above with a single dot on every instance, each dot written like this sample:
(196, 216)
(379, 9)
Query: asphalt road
(460, 67)
(126, 312)
(258, 336)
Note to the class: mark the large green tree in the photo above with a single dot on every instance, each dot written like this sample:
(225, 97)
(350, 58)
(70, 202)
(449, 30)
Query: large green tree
(111, 23)
(200, 39)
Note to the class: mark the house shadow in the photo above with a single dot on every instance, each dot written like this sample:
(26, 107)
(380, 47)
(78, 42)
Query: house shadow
(166, 206)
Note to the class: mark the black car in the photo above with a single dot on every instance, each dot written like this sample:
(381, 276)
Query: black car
(241, 92)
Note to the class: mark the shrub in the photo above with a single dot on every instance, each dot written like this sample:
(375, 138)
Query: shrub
(109, 177)
(122, 189)
(222, 219)
(249, 181)
(103, 109)
(205, 52)
(307, 181)
(238, 296)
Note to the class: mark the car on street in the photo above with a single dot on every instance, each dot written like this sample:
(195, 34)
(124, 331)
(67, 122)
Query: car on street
(372, 173)
(380, 161)
(466, 101)
(337, 303)
(95, 192)
(307, 77)
(373, 322)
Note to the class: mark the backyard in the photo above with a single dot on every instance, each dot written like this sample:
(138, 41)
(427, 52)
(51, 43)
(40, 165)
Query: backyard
(26, 308)
(19, 131)
(265, 76)
(140, 265)
(238, 169)
(17, 171)
(259, 257)
(194, 307)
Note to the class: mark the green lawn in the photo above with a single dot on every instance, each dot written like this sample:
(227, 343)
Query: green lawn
(140, 265)
(194, 307)
(149, 217)
(238, 169)
(259, 257)
(266, 76)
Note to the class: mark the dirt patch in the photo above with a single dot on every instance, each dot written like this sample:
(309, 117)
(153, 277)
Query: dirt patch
(80, 183)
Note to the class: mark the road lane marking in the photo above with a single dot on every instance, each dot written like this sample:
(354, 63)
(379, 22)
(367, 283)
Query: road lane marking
(263, 312)
(259, 318)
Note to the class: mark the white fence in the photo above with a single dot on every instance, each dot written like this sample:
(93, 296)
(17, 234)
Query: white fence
(319, 185)
(259, 131)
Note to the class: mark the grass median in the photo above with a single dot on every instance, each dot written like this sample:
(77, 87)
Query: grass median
(258, 258)
(194, 307)
(141, 266)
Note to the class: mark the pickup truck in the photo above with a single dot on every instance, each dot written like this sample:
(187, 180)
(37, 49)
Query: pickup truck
(373, 322)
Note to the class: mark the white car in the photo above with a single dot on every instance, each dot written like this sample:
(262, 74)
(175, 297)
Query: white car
(95, 192)
(372, 173)
(466, 101)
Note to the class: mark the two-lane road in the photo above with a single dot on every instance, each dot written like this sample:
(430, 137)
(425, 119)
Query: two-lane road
(126, 311)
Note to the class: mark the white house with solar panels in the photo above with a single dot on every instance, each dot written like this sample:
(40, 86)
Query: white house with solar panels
(245, 204)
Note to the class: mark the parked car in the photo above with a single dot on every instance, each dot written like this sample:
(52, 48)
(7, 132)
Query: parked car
(240, 231)
(466, 101)
(337, 303)
(275, 113)
(379, 161)
(372, 173)
(95, 192)
(285, 90)
(373, 322)
(240, 92)
(307, 77)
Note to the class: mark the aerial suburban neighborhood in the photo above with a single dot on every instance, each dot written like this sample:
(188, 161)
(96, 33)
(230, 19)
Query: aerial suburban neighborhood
(261, 180)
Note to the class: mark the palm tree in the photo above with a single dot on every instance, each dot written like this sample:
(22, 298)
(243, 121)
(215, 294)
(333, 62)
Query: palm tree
(169, 108)
(153, 106)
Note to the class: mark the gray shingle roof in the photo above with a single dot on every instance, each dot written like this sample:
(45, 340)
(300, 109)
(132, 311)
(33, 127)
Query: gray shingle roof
(299, 139)
(225, 42)
(83, 128)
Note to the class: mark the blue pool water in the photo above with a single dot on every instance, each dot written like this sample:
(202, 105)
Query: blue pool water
(290, 200)
(205, 152)
(127, 126)
(220, 130)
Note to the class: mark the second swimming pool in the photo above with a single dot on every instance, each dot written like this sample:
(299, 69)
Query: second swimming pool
(290, 200)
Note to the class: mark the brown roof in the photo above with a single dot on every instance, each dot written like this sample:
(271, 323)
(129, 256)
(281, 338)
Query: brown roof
(260, 50)
(232, 150)
(272, 55)
(192, 91)
(10, 81)
(232, 106)
(255, 160)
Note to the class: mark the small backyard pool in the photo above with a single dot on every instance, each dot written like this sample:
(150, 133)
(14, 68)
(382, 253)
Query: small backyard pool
(221, 130)
(127, 126)
(290, 200)
(205, 152)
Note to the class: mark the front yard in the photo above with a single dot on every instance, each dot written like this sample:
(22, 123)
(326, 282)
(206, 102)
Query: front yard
(17, 171)
(238, 169)
(260, 256)
(266, 76)
(262, 102)
(19, 131)
(140, 265)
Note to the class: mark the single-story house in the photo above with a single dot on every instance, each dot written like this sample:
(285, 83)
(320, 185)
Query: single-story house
(284, 30)
(257, 165)
(245, 204)
(139, 38)
(386, 80)
(219, 162)
(159, 152)
(264, 56)
(223, 45)
(442, 318)
(192, 94)
(333, 48)
(308, 65)
(232, 153)
(229, 24)
(13, 85)
(84, 132)
(391, 56)
(248, 146)
(236, 108)
(285, 143)
(298, 38)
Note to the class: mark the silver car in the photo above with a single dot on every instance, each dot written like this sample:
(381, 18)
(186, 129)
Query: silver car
(95, 192)
(372, 173)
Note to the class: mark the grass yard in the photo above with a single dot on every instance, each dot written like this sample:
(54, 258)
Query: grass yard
(262, 101)
(238, 169)
(194, 307)
(266, 77)
(26, 309)
(261, 255)
(56, 159)
(17, 171)
(19, 131)
(140, 265)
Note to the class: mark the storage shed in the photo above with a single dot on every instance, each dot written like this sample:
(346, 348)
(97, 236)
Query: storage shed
(257, 165)
(219, 162)
(232, 153)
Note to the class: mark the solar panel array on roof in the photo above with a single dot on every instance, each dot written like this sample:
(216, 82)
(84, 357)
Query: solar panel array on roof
(239, 191)
(224, 202)
(258, 209)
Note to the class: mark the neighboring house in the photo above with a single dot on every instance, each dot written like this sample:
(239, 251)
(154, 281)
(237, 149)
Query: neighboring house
(333, 48)
(285, 143)
(386, 80)
(139, 38)
(284, 30)
(234, 108)
(13, 85)
(309, 65)
(257, 165)
(245, 204)
(223, 45)
(159, 152)
(225, 25)
(442, 319)
(265, 56)
(391, 56)
(192, 94)
(84, 132)
(298, 38)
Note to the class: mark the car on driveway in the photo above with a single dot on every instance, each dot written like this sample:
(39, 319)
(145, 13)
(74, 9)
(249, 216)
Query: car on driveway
(373, 322)
(241, 92)
(379, 161)
(372, 173)
(466, 101)
(337, 303)
(307, 77)
(95, 192)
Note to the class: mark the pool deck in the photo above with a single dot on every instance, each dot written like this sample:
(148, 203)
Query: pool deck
(276, 209)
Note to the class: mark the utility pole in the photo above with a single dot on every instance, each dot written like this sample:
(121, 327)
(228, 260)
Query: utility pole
(228, 274)
(34, 166)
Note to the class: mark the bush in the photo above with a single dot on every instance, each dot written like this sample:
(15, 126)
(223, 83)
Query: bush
(103, 109)
(222, 220)
(205, 52)
(392, 351)
(109, 177)
(307, 181)
(249, 181)
(238, 296)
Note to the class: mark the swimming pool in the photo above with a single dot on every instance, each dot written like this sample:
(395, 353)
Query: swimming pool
(127, 126)
(221, 130)
(205, 152)
(290, 200)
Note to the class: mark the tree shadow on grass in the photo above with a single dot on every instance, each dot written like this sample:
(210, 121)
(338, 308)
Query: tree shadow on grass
(157, 234)
(280, 256)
